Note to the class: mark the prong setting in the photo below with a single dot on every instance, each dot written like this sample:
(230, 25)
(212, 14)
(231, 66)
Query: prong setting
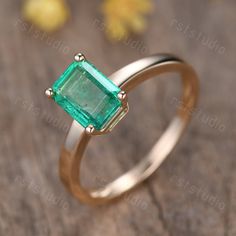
(79, 57)
(90, 129)
(122, 95)
(49, 92)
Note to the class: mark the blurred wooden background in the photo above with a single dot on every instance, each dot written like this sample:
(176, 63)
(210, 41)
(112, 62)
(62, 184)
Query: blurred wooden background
(193, 193)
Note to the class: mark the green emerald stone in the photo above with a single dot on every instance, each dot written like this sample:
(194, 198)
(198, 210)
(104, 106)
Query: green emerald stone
(87, 95)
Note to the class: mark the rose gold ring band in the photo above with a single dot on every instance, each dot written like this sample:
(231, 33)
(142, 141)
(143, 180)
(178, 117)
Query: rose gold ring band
(128, 78)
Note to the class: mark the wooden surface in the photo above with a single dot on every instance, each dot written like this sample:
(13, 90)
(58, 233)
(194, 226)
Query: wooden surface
(193, 193)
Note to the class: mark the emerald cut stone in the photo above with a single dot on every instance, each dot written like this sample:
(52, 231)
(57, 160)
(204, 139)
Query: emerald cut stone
(87, 95)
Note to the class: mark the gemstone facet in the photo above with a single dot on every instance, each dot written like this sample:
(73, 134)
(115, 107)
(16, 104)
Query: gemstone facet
(87, 95)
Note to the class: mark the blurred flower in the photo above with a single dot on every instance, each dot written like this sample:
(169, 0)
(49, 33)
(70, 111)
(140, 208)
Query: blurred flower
(125, 16)
(48, 15)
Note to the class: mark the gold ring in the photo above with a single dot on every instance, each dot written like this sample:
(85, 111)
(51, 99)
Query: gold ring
(97, 104)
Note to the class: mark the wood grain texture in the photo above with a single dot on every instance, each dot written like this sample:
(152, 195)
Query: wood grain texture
(193, 193)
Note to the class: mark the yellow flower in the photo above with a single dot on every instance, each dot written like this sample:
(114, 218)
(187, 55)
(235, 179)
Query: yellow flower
(48, 15)
(123, 16)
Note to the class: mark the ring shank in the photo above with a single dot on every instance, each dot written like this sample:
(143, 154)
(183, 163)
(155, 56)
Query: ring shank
(128, 78)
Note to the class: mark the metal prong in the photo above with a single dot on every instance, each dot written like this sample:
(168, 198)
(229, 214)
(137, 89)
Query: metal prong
(79, 57)
(122, 95)
(90, 129)
(49, 93)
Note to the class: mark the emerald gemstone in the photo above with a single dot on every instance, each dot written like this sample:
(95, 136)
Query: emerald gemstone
(87, 95)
